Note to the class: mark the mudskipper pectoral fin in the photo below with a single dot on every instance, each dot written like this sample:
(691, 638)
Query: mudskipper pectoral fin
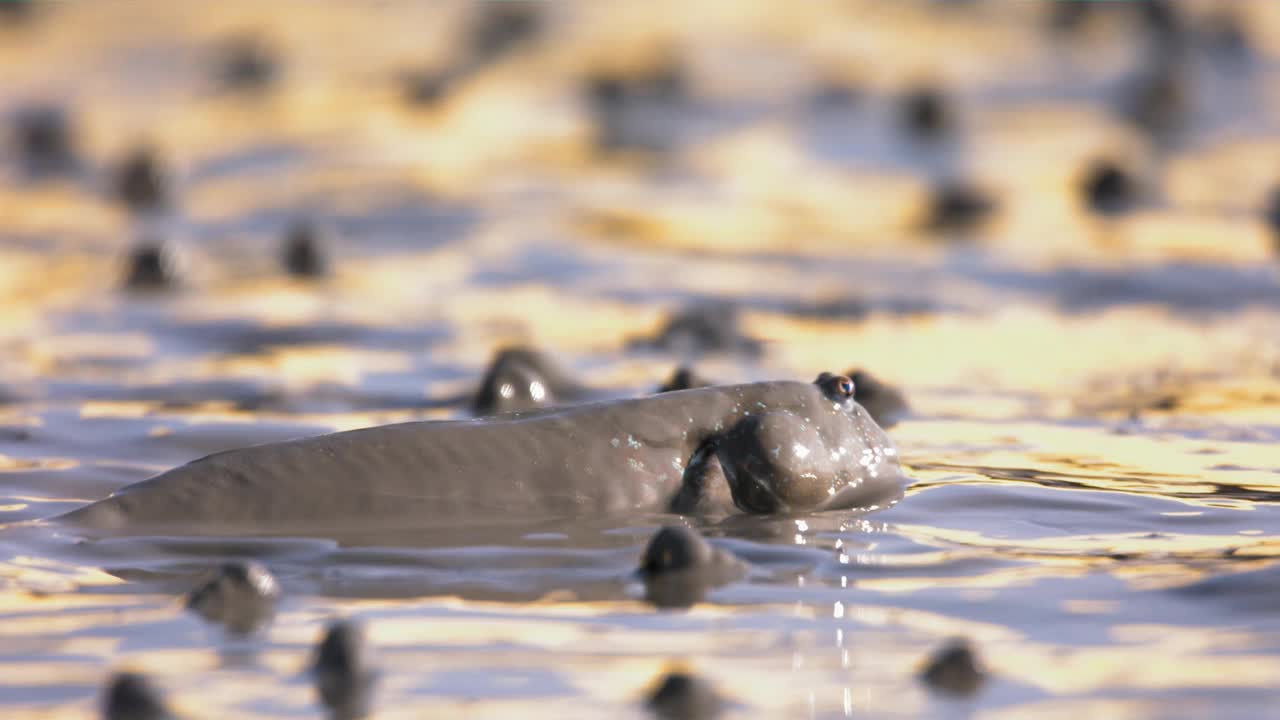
(704, 489)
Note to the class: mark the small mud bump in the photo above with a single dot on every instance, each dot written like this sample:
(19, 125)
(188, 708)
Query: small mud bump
(246, 62)
(521, 378)
(45, 140)
(675, 548)
(959, 208)
(1109, 189)
(954, 670)
(703, 328)
(1068, 17)
(925, 114)
(15, 11)
(1160, 19)
(426, 87)
(341, 671)
(141, 183)
(241, 596)
(131, 696)
(499, 28)
(1271, 215)
(14, 434)
(151, 266)
(630, 111)
(684, 378)
(684, 696)
(305, 253)
(679, 566)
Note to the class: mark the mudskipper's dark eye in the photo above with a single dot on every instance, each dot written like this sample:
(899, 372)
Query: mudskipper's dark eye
(844, 386)
(837, 387)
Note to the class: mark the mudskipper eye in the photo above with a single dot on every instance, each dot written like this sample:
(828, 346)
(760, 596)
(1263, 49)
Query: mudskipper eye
(844, 386)
(837, 387)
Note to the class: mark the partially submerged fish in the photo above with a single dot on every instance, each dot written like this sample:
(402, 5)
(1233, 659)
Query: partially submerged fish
(761, 448)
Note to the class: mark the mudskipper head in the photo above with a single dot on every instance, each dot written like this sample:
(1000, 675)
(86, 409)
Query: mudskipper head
(815, 449)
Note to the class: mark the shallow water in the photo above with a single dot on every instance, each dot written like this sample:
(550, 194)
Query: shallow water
(1096, 402)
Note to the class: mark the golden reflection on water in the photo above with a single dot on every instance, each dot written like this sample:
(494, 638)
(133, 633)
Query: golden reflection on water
(875, 659)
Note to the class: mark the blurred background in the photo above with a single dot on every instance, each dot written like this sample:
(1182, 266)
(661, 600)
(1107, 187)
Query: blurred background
(862, 182)
(1051, 225)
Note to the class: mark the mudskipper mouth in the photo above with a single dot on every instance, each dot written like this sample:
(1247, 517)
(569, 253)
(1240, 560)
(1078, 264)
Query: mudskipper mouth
(757, 498)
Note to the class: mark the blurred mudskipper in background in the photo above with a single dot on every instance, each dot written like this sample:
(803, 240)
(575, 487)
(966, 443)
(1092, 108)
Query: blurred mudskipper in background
(1038, 238)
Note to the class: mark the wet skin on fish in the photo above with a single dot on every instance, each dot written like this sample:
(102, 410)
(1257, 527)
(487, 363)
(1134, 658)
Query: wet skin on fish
(760, 448)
